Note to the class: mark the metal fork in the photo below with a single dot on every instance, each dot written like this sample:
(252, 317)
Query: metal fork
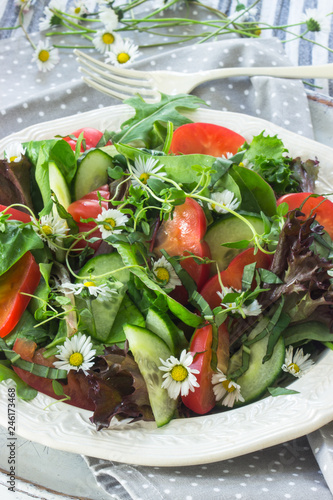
(124, 83)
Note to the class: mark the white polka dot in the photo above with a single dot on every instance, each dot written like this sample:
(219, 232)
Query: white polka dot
(190, 59)
(166, 491)
(226, 471)
(151, 475)
(19, 120)
(84, 99)
(145, 486)
(246, 92)
(194, 484)
(212, 89)
(63, 106)
(172, 479)
(269, 479)
(227, 98)
(265, 490)
(238, 495)
(285, 103)
(226, 51)
(287, 122)
(209, 103)
(216, 489)
(240, 59)
(258, 111)
(287, 495)
(230, 86)
(242, 106)
(46, 98)
(25, 105)
(41, 113)
(152, 63)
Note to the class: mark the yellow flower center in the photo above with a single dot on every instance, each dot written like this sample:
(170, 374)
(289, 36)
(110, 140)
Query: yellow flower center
(162, 274)
(109, 224)
(226, 383)
(257, 32)
(123, 57)
(144, 177)
(12, 158)
(44, 55)
(77, 10)
(294, 367)
(89, 283)
(108, 38)
(179, 373)
(76, 359)
(47, 230)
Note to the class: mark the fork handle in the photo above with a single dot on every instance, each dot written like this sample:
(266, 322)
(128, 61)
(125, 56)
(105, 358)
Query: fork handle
(317, 71)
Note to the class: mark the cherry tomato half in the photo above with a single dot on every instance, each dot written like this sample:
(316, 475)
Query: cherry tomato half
(92, 137)
(202, 400)
(232, 276)
(183, 234)
(22, 277)
(88, 207)
(15, 214)
(205, 138)
(323, 208)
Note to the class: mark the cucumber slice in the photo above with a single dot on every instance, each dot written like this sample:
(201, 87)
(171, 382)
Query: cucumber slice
(103, 266)
(254, 382)
(58, 185)
(164, 327)
(229, 230)
(147, 349)
(128, 312)
(92, 172)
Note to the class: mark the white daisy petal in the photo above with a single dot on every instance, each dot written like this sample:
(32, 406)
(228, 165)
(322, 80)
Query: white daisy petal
(14, 152)
(109, 220)
(315, 20)
(225, 390)
(296, 364)
(45, 56)
(108, 17)
(76, 354)
(165, 273)
(102, 292)
(225, 198)
(104, 40)
(51, 229)
(123, 52)
(144, 168)
(179, 378)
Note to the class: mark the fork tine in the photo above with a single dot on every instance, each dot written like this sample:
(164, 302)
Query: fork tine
(112, 92)
(112, 77)
(129, 73)
(130, 91)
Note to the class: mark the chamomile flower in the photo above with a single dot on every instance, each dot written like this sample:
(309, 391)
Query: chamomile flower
(101, 292)
(104, 40)
(51, 18)
(226, 390)
(108, 17)
(122, 52)
(14, 152)
(45, 56)
(165, 273)
(51, 229)
(252, 309)
(143, 169)
(315, 20)
(179, 377)
(76, 354)
(230, 305)
(225, 198)
(297, 364)
(81, 8)
(109, 220)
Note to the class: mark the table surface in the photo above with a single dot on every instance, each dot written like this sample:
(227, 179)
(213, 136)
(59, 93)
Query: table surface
(45, 473)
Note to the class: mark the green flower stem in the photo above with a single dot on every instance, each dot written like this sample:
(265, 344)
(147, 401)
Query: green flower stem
(63, 17)
(73, 46)
(21, 22)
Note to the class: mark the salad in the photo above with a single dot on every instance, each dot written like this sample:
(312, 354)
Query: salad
(166, 270)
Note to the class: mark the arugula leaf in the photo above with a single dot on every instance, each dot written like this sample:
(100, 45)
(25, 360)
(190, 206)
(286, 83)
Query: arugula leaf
(146, 115)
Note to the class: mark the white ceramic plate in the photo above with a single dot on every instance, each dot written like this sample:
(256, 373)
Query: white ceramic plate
(201, 439)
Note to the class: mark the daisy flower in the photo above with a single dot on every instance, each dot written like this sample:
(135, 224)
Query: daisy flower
(51, 229)
(315, 21)
(51, 18)
(45, 57)
(108, 17)
(223, 293)
(109, 220)
(122, 52)
(76, 354)
(252, 309)
(225, 198)
(226, 390)
(80, 8)
(14, 152)
(104, 40)
(143, 169)
(297, 364)
(102, 291)
(179, 377)
(165, 273)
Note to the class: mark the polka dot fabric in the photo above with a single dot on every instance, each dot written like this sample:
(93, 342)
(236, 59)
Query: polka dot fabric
(287, 471)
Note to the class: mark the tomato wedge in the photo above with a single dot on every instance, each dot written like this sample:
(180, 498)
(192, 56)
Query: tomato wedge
(183, 234)
(205, 138)
(15, 214)
(22, 277)
(202, 400)
(323, 208)
(232, 276)
(89, 207)
(92, 136)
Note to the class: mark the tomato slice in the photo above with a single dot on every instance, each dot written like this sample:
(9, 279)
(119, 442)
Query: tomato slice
(92, 137)
(324, 212)
(205, 138)
(183, 234)
(232, 276)
(15, 214)
(22, 277)
(89, 207)
(202, 400)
